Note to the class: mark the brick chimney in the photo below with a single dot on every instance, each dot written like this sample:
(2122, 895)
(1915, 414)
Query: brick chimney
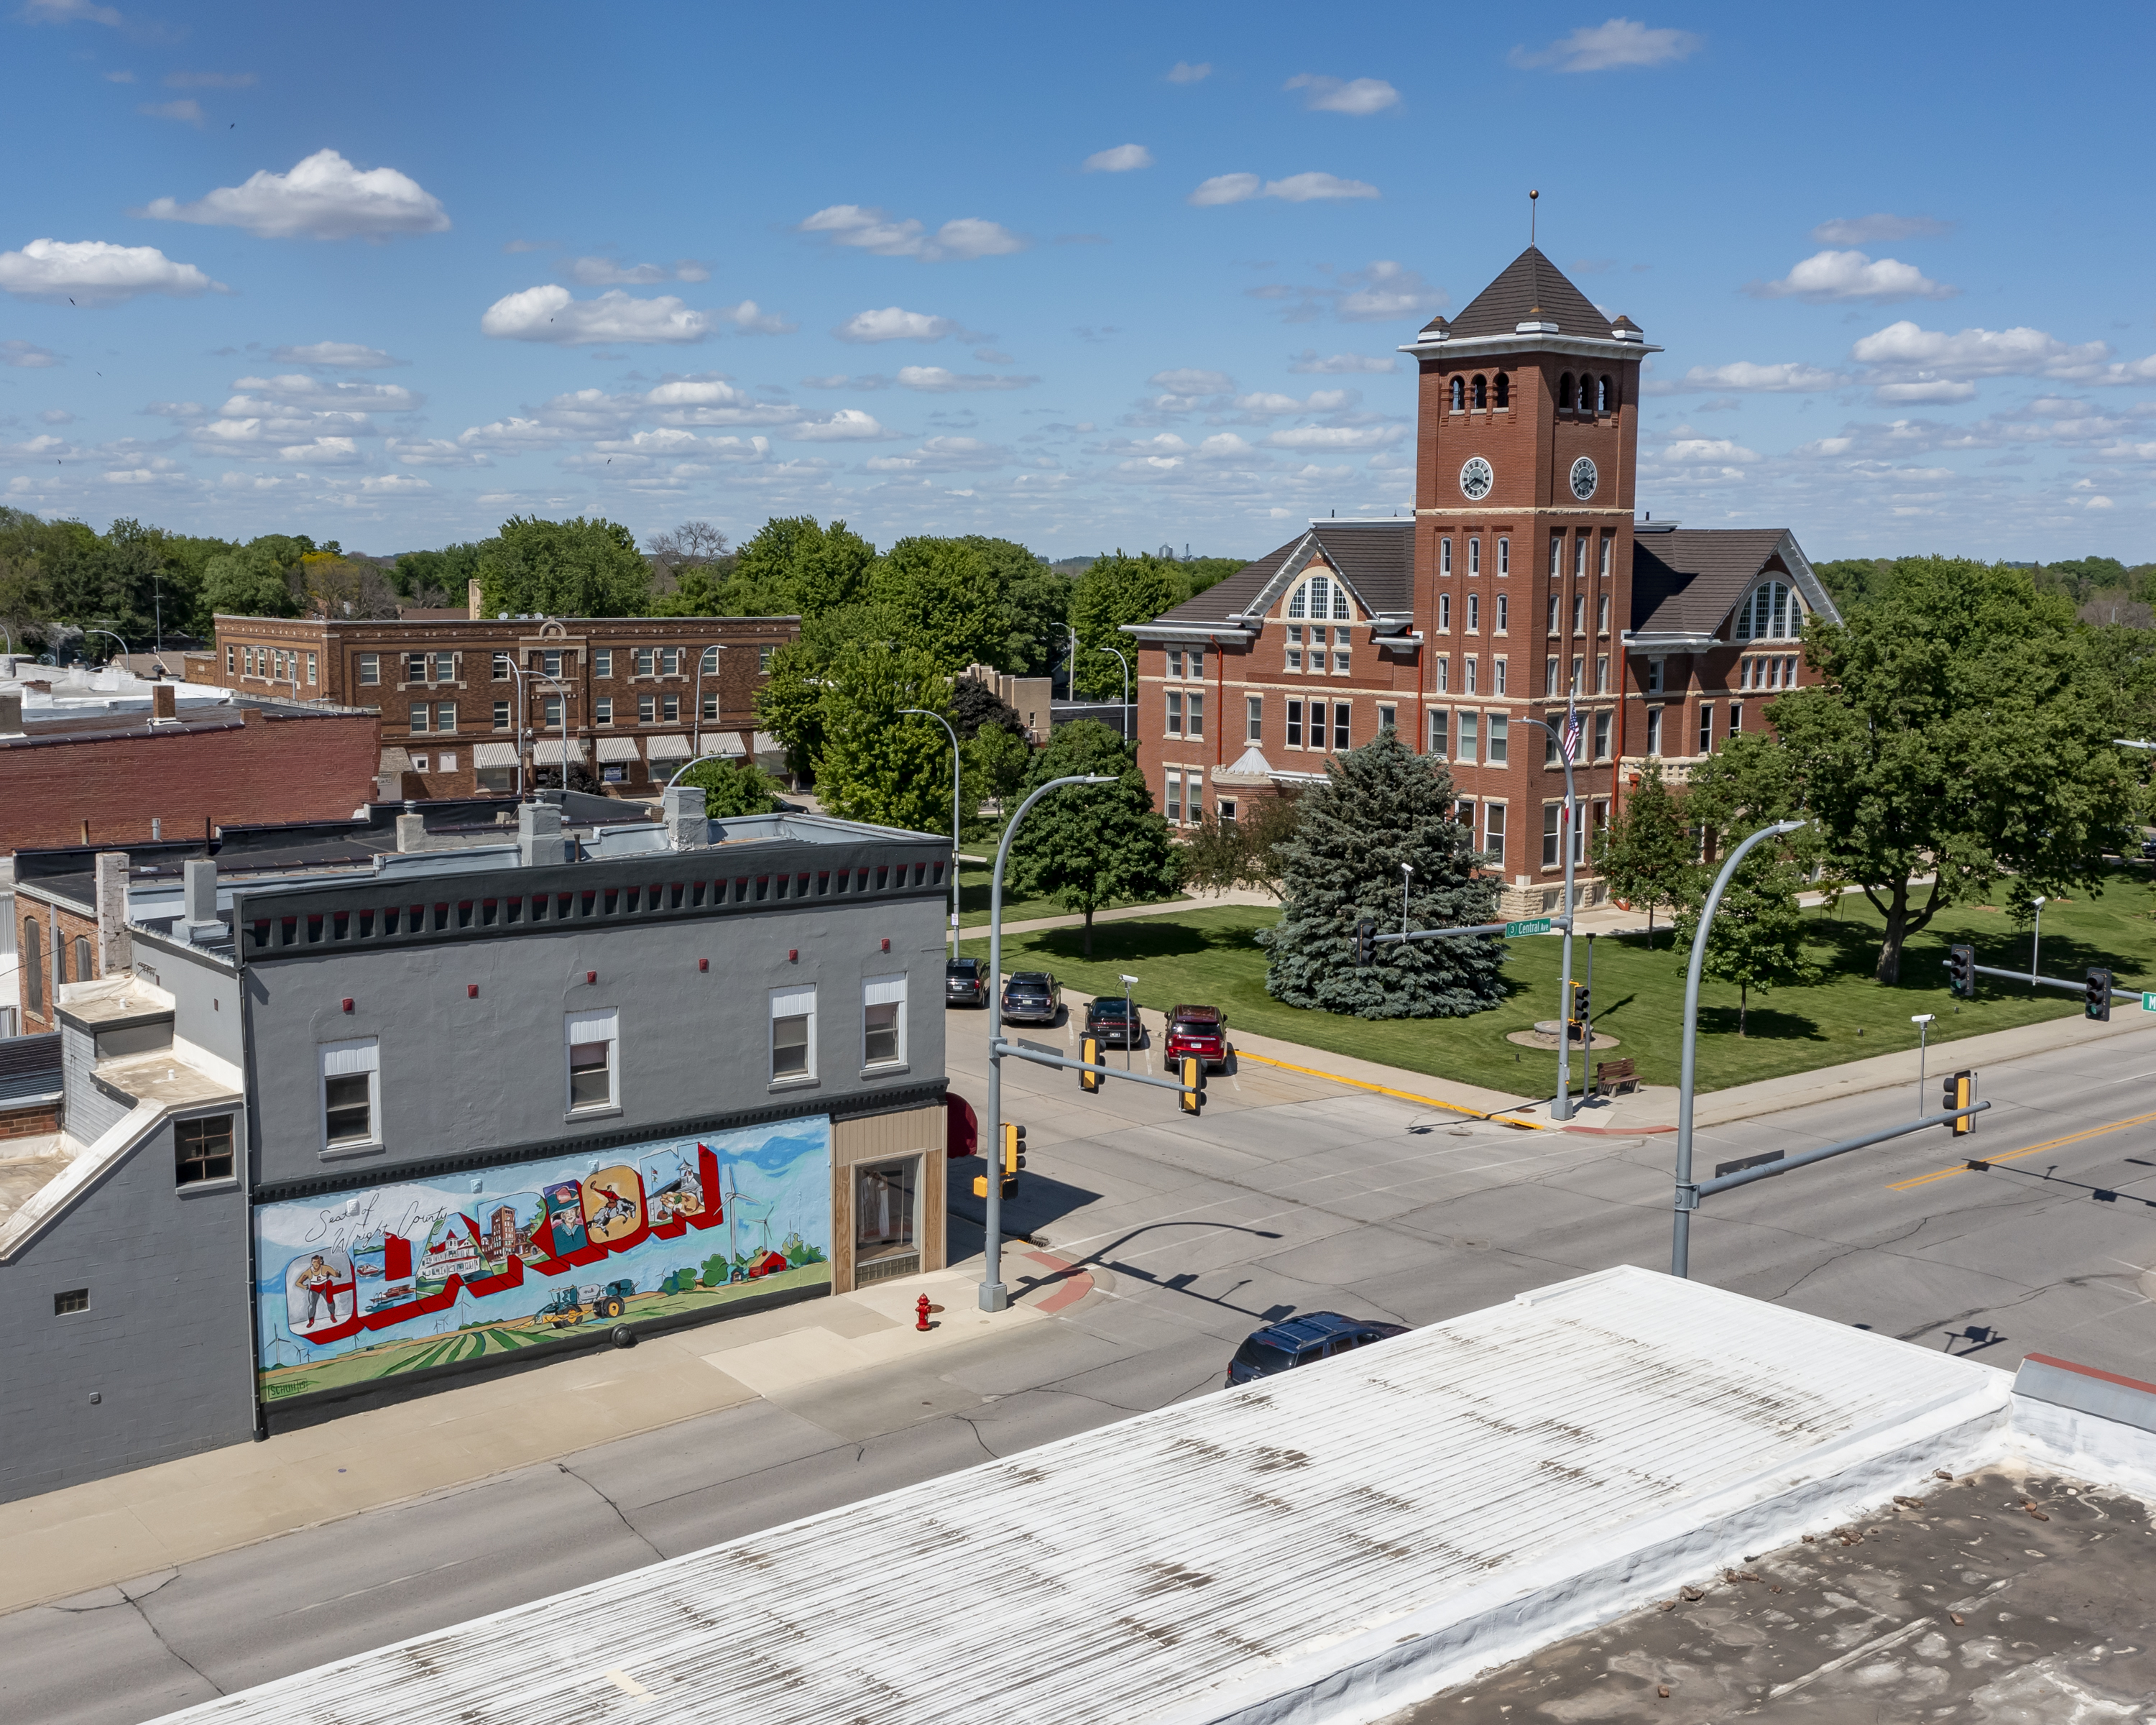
(164, 704)
(11, 715)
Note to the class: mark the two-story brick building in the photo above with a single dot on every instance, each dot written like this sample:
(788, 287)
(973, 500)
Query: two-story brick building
(1523, 585)
(465, 702)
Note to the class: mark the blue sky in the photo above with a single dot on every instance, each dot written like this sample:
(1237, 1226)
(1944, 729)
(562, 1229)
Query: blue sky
(1121, 275)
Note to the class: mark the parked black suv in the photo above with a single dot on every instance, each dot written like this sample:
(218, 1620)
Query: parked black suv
(1114, 1022)
(1032, 997)
(966, 981)
(1303, 1341)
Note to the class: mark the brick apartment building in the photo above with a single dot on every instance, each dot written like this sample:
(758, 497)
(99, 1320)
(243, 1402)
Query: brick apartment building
(1522, 583)
(462, 699)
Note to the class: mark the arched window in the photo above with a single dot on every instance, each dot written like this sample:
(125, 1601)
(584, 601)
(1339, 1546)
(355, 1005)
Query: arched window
(1298, 604)
(1774, 611)
(1482, 391)
(1342, 612)
(1504, 390)
(1564, 396)
(1606, 401)
(1459, 395)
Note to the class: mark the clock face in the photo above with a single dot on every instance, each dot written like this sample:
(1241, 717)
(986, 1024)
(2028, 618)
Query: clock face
(1475, 479)
(1583, 478)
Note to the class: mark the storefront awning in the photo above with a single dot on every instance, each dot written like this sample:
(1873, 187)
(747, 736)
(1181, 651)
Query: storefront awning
(548, 751)
(668, 748)
(494, 754)
(618, 748)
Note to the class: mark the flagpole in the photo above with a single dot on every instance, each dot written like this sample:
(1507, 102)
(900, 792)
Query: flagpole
(1568, 747)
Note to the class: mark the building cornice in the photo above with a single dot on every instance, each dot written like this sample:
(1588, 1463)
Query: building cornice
(1490, 346)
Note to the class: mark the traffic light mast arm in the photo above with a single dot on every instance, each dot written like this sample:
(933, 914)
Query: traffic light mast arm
(1041, 1057)
(2052, 982)
(1768, 1171)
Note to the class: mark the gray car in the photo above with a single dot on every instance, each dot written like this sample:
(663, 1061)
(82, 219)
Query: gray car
(1032, 997)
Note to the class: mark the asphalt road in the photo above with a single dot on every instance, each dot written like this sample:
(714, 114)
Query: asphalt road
(1284, 1196)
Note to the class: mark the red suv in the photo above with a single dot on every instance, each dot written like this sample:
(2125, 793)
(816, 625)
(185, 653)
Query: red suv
(1199, 1032)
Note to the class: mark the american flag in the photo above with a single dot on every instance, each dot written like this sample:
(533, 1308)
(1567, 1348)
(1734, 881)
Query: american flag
(1568, 738)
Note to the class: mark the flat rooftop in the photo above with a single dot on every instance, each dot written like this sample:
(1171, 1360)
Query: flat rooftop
(1443, 1500)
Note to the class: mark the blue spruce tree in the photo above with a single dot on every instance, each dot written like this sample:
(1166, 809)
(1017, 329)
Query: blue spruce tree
(1379, 807)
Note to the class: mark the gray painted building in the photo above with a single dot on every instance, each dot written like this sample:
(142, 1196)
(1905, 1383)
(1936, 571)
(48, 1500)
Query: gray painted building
(341, 1121)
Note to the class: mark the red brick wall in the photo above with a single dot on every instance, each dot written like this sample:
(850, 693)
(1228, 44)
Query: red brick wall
(53, 923)
(319, 767)
(29, 1122)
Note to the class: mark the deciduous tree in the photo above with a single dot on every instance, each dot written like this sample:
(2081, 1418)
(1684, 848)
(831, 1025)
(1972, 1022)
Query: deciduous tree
(1757, 939)
(1644, 852)
(875, 764)
(574, 568)
(1090, 846)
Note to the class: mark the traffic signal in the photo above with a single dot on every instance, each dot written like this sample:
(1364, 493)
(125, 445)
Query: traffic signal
(2096, 996)
(1192, 1098)
(1366, 944)
(1089, 1051)
(1961, 972)
(1580, 1003)
(1014, 1160)
(1959, 1092)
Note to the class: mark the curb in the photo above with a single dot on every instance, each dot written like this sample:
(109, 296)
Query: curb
(1405, 1096)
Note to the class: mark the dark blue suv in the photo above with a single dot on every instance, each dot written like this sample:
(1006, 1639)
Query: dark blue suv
(1303, 1341)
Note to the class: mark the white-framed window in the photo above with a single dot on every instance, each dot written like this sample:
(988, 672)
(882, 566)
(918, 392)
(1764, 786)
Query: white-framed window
(1579, 613)
(550, 711)
(708, 664)
(352, 1095)
(793, 1036)
(1707, 727)
(1504, 612)
(602, 710)
(1773, 612)
(1474, 613)
(445, 715)
(1439, 725)
(669, 661)
(231, 657)
(1444, 556)
(1579, 671)
(1254, 718)
(1736, 717)
(1553, 842)
(1549, 676)
(592, 1039)
(1473, 666)
(422, 764)
(1605, 553)
(602, 661)
(1173, 800)
(1602, 737)
(370, 669)
(550, 662)
(1579, 557)
(1557, 555)
(1470, 725)
(1602, 674)
(647, 661)
(445, 668)
(1295, 724)
(1387, 717)
(501, 671)
(1553, 619)
(1444, 614)
(1504, 555)
(1197, 714)
(1500, 739)
(1175, 661)
(1175, 712)
(421, 716)
(1653, 677)
(1654, 731)
(1198, 663)
(883, 1021)
(1441, 681)
(647, 709)
(310, 668)
(1475, 554)
(446, 761)
(763, 659)
(1497, 674)
(1602, 616)
(1493, 831)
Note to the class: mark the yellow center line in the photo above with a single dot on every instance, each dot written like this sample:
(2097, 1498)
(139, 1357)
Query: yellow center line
(1405, 1096)
(2093, 1131)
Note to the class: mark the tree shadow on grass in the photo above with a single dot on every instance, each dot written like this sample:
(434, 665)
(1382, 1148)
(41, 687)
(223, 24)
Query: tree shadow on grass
(1115, 942)
(1760, 1024)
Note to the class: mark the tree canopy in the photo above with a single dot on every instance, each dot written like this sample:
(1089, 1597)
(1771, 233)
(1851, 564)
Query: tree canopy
(573, 568)
(731, 787)
(1114, 591)
(1379, 807)
(875, 764)
(1089, 847)
(1646, 853)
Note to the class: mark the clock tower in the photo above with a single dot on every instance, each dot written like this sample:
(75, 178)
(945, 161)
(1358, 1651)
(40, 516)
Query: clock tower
(1526, 451)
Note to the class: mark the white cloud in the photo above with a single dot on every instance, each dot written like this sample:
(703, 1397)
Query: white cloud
(1937, 390)
(1867, 230)
(92, 272)
(752, 320)
(1340, 364)
(1296, 188)
(936, 380)
(1692, 449)
(1268, 402)
(27, 355)
(188, 110)
(119, 77)
(846, 425)
(965, 238)
(1189, 381)
(296, 389)
(68, 12)
(394, 485)
(1183, 72)
(942, 454)
(209, 81)
(1910, 354)
(611, 272)
(1120, 160)
(549, 314)
(324, 197)
(1608, 47)
(433, 452)
(1385, 291)
(345, 355)
(1786, 378)
(894, 324)
(1330, 95)
(1827, 277)
(56, 416)
(1334, 437)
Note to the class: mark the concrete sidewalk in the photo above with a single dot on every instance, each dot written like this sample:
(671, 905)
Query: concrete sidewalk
(136, 1525)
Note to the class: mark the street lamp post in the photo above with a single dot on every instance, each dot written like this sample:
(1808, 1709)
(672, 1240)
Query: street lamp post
(126, 651)
(518, 672)
(922, 712)
(1126, 664)
(1922, 1021)
(1561, 1109)
(1687, 1193)
(2036, 940)
(1129, 982)
(994, 1297)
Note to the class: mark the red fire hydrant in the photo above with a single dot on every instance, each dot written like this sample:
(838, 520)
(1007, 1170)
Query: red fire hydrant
(922, 1322)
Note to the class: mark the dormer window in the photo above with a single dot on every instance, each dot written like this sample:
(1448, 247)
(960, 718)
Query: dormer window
(1321, 597)
(1480, 389)
(1459, 395)
(1565, 399)
(1774, 611)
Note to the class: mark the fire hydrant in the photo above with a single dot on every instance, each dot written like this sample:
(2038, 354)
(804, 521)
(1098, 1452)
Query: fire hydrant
(922, 1321)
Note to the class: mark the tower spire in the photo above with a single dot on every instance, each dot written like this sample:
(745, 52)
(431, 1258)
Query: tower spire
(1532, 197)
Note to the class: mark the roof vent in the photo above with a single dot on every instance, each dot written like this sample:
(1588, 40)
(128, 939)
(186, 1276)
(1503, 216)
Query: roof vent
(1535, 324)
(1625, 330)
(1437, 329)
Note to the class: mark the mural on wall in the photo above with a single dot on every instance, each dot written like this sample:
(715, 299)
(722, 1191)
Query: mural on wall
(417, 1273)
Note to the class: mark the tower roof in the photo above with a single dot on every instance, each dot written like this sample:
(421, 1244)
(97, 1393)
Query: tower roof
(1530, 283)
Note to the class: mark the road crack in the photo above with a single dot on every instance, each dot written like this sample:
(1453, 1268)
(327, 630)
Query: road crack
(633, 1528)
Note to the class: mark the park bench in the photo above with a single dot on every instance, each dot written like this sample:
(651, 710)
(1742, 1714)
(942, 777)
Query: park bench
(1612, 1075)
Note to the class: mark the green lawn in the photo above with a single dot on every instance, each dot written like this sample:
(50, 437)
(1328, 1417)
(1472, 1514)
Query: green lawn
(1208, 955)
(974, 900)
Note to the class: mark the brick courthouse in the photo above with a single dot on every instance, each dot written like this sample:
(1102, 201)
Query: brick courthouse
(1521, 581)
